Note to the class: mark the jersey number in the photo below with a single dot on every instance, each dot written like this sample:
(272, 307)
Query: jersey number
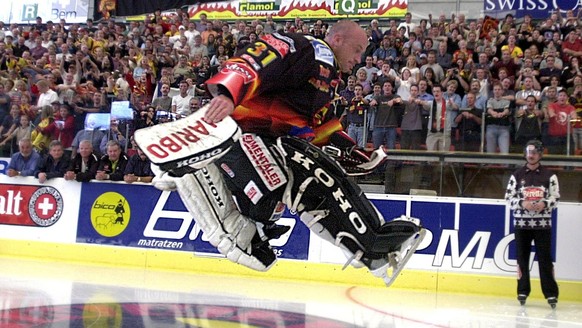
(262, 53)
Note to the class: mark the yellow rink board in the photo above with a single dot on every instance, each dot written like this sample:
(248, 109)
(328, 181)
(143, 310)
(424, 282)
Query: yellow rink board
(283, 269)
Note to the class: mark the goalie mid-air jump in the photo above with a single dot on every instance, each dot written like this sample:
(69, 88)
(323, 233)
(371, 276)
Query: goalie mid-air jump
(269, 139)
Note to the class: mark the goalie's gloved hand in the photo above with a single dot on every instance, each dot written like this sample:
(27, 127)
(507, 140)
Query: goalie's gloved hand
(355, 161)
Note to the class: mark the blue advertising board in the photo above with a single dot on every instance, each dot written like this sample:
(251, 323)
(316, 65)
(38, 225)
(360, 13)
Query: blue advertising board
(474, 236)
(142, 216)
(462, 235)
(538, 9)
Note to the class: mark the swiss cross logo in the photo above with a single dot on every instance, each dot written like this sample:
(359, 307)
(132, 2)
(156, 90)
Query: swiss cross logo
(30, 205)
(46, 206)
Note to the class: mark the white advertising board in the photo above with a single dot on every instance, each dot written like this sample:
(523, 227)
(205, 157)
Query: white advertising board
(26, 11)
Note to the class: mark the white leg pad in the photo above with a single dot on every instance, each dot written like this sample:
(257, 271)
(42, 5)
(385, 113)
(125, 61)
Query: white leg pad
(207, 198)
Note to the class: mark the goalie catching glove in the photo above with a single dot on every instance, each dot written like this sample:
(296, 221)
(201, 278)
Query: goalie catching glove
(354, 161)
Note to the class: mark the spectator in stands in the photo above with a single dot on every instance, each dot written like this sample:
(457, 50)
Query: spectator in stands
(115, 134)
(41, 136)
(356, 113)
(498, 122)
(560, 113)
(443, 57)
(570, 72)
(438, 72)
(468, 123)
(138, 168)
(147, 117)
(54, 164)
(24, 162)
(66, 127)
(386, 51)
(439, 131)
(507, 62)
(23, 131)
(549, 71)
(181, 102)
(423, 93)
(46, 96)
(93, 134)
(576, 101)
(407, 24)
(112, 166)
(362, 79)
(514, 50)
(10, 122)
(571, 47)
(411, 127)
(198, 48)
(83, 168)
(386, 73)
(347, 94)
(38, 51)
(371, 70)
(412, 66)
(389, 110)
(5, 101)
(404, 83)
(529, 126)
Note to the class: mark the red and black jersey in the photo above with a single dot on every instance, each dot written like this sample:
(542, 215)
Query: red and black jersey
(282, 84)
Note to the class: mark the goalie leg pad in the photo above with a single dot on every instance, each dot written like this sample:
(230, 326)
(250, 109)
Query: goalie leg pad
(254, 174)
(205, 196)
(336, 209)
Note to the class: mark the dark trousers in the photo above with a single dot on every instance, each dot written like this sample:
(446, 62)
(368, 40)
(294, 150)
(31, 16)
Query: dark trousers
(411, 139)
(543, 241)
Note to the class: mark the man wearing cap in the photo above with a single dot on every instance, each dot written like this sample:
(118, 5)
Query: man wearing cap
(532, 193)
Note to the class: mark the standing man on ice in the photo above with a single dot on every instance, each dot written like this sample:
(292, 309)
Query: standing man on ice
(533, 193)
(279, 91)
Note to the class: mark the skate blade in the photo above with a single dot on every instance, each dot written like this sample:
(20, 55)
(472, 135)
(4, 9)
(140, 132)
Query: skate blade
(397, 262)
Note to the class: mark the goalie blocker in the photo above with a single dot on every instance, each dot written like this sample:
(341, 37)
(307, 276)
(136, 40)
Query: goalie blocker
(190, 143)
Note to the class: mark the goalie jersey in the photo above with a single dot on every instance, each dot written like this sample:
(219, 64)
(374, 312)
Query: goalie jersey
(282, 85)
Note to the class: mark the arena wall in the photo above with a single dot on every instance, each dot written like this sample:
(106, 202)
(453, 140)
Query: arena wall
(469, 246)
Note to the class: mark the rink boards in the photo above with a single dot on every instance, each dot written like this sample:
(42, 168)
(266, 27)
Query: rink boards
(469, 246)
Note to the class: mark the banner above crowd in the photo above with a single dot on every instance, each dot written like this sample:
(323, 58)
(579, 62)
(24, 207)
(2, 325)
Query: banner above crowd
(290, 9)
(26, 11)
(537, 9)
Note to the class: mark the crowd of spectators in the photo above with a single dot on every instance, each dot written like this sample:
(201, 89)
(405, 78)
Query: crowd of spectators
(431, 84)
(450, 84)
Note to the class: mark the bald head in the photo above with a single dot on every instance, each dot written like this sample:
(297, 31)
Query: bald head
(348, 41)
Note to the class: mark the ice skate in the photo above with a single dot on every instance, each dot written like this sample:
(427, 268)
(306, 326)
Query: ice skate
(553, 301)
(405, 235)
(521, 298)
